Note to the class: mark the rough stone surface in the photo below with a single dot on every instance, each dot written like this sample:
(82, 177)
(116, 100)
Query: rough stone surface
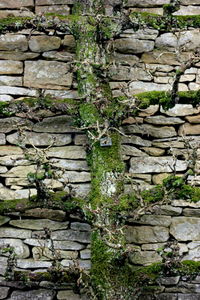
(153, 151)
(18, 91)
(44, 43)
(4, 220)
(40, 139)
(132, 151)
(71, 165)
(4, 292)
(9, 232)
(57, 124)
(137, 87)
(71, 235)
(189, 129)
(47, 74)
(45, 213)
(9, 124)
(161, 120)
(75, 177)
(185, 228)
(11, 67)
(80, 226)
(11, 80)
(153, 220)
(21, 250)
(33, 295)
(147, 129)
(16, 3)
(40, 253)
(154, 165)
(13, 42)
(146, 3)
(39, 224)
(143, 234)
(133, 46)
(135, 140)
(67, 294)
(149, 257)
(70, 152)
(63, 245)
(180, 110)
(17, 55)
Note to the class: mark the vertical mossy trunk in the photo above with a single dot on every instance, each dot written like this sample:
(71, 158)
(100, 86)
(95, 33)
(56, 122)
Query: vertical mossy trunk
(93, 86)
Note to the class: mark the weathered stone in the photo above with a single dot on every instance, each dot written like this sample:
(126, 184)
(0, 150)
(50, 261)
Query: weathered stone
(85, 254)
(154, 165)
(11, 67)
(149, 10)
(182, 87)
(135, 140)
(149, 111)
(80, 139)
(3, 220)
(40, 139)
(180, 110)
(3, 170)
(163, 79)
(18, 91)
(170, 144)
(152, 247)
(147, 129)
(186, 78)
(13, 160)
(45, 213)
(55, 9)
(16, 3)
(81, 190)
(165, 58)
(71, 235)
(6, 98)
(3, 265)
(194, 179)
(7, 194)
(39, 224)
(188, 129)
(161, 120)
(62, 94)
(69, 43)
(9, 232)
(144, 258)
(75, 177)
(58, 124)
(146, 3)
(154, 220)
(193, 254)
(43, 43)
(167, 41)
(84, 264)
(184, 203)
(188, 296)
(191, 212)
(63, 245)
(137, 87)
(9, 124)
(59, 55)
(47, 74)
(125, 59)
(4, 292)
(145, 177)
(185, 228)
(132, 120)
(127, 73)
(72, 165)
(133, 46)
(80, 226)
(188, 11)
(67, 294)
(146, 234)
(21, 250)
(193, 119)
(10, 80)
(17, 55)
(158, 178)
(33, 295)
(169, 280)
(32, 264)
(52, 2)
(132, 151)
(20, 171)
(40, 253)
(70, 152)
(13, 42)
(153, 151)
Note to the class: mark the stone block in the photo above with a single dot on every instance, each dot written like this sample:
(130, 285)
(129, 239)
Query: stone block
(67, 294)
(20, 171)
(18, 91)
(21, 250)
(152, 151)
(45, 213)
(137, 87)
(165, 58)
(33, 295)
(69, 43)
(189, 129)
(15, 42)
(144, 258)
(155, 165)
(188, 11)
(193, 119)
(71, 235)
(43, 43)
(71, 165)
(62, 94)
(53, 2)
(39, 224)
(17, 55)
(33, 264)
(135, 140)
(149, 10)
(81, 190)
(4, 292)
(185, 228)
(151, 130)
(62, 245)
(40, 139)
(75, 177)
(80, 226)
(85, 254)
(7, 194)
(69, 152)
(56, 9)
(3, 265)
(154, 220)
(9, 232)
(133, 46)
(10, 150)
(40, 253)
(16, 3)
(11, 80)
(146, 3)
(47, 74)
(10, 67)
(57, 124)
(132, 151)
(180, 110)
(162, 120)
(58, 55)
(6, 98)
(146, 234)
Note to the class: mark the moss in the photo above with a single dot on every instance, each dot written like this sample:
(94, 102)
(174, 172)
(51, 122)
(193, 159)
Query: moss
(89, 114)
(13, 23)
